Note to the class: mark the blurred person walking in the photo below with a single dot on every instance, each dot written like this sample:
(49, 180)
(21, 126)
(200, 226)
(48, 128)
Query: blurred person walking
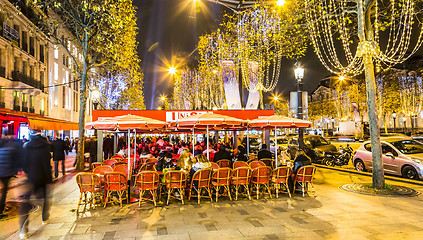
(36, 164)
(93, 150)
(9, 159)
(58, 147)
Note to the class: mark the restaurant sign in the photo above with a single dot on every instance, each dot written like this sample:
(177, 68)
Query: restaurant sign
(11, 34)
(175, 115)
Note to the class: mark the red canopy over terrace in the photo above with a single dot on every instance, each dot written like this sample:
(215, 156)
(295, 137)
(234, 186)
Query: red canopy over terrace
(278, 121)
(208, 121)
(275, 121)
(127, 122)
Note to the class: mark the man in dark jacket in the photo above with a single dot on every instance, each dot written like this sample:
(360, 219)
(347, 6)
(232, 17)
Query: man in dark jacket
(58, 147)
(36, 164)
(222, 154)
(9, 156)
(264, 153)
(107, 147)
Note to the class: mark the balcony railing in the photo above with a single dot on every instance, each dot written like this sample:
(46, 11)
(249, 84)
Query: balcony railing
(24, 109)
(31, 110)
(2, 71)
(20, 77)
(16, 107)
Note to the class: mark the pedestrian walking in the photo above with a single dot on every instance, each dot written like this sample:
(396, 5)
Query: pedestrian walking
(107, 147)
(36, 164)
(58, 147)
(67, 146)
(9, 158)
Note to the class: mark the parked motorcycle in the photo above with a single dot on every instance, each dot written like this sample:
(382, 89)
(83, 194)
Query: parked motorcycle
(342, 158)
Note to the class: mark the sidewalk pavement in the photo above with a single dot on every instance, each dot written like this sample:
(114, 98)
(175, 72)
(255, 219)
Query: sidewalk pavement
(330, 214)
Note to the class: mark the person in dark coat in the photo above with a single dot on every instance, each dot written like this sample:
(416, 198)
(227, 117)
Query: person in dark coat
(58, 148)
(165, 162)
(107, 147)
(222, 154)
(93, 150)
(264, 153)
(301, 160)
(67, 146)
(36, 164)
(241, 154)
(9, 158)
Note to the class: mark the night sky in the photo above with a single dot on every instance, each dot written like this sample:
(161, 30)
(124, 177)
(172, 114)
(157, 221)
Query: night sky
(169, 28)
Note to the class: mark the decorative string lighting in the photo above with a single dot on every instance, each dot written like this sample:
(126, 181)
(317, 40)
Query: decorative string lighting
(335, 19)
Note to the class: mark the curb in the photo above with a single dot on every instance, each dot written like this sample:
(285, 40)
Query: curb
(369, 174)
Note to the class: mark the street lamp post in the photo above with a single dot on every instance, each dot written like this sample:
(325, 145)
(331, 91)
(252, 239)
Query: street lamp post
(299, 74)
(394, 116)
(95, 97)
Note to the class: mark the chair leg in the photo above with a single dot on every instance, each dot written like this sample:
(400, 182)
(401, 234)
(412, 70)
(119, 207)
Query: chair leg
(107, 198)
(79, 202)
(199, 195)
(120, 198)
(287, 189)
(248, 191)
(257, 190)
(208, 190)
(312, 187)
(153, 192)
(189, 193)
(302, 188)
(229, 192)
(277, 189)
(268, 190)
(182, 194)
(236, 192)
(168, 196)
(93, 200)
(217, 192)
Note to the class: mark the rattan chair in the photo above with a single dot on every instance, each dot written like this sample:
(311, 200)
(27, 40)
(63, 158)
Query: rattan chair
(256, 164)
(88, 183)
(222, 178)
(115, 182)
(201, 180)
(261, 177)
(224, 163)
(305, 177)
(238, 164)
(175, 180)
(214, 166)
(280, 177)
(148, 181)
(241, 178)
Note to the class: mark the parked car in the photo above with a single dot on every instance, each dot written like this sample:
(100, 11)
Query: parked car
(401, 156)
(282, 143)
(316, 147)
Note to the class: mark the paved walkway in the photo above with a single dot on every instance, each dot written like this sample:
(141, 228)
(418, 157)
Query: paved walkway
(332, 214)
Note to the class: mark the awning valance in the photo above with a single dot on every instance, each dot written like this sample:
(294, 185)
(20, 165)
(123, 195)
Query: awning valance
(51, 124)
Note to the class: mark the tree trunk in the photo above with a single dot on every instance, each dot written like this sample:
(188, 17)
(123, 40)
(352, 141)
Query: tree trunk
(365, 34)
(80, 165)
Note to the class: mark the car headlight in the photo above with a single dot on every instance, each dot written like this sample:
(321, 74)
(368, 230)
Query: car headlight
(320, 153)
(417, 161)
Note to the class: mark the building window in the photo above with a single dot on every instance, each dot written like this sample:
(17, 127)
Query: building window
(56, 71)
(16, 98)
(2, 92)
(42, 53)
(31, 102)
(24, 67)
(42, 106)
(15, 64)
(64, 97)
(56, 52)
(24, 100)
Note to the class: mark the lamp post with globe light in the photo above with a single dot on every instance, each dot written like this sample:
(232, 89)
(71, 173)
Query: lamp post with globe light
(299, 74)
(95, 96)
(394, 116)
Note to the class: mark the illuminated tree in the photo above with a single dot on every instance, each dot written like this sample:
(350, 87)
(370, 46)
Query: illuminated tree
(356, 24)
(104, 32)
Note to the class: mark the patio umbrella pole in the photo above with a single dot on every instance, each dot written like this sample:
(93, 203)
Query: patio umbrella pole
(129, 144)
(248, 143)
(276, 149)
(135, 148)
(208, 142)
(192, 141)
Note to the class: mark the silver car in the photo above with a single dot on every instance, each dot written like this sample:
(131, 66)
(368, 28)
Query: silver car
(401, 156)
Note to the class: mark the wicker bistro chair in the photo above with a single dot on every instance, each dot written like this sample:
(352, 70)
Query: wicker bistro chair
(222, 178)
(280, 177)
(252, 157)
(101, 170)
(261, 176)
(148, 166)
(119, 157)
(89, 183)
(256, 164)
(268, 162)
(96, 164)
(238, 164)
(110, 162)
(241, 178)
(214, 166)
(115, 182)
(175, 180)
(223, 163)
(201, 180)
(152, 160)
(122, 168)
(305, 177)
(148, 181)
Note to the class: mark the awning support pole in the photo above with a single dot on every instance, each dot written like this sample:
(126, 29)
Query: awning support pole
(193, 142)
(208, 142)
(248, 143)
(276, 148)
